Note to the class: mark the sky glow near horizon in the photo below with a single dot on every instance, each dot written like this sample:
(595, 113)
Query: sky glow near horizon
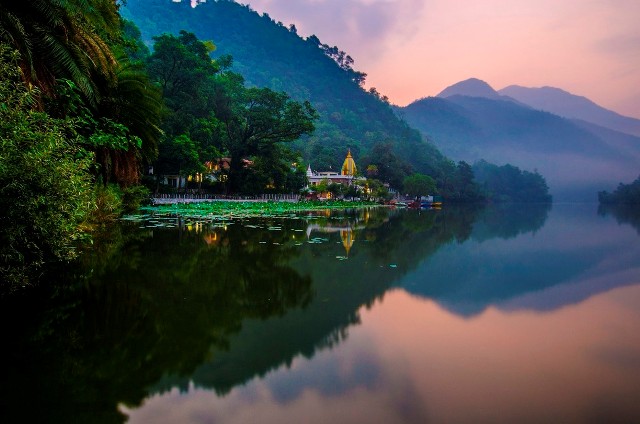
(415, 48)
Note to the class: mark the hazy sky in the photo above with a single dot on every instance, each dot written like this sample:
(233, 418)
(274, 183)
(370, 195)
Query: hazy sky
(415, 48)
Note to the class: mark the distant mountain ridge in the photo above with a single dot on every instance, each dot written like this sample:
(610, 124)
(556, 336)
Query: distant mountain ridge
(471, 121)
(472, 87)
(565, 104)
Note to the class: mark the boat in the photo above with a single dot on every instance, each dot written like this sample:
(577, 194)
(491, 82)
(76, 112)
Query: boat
(426, 202)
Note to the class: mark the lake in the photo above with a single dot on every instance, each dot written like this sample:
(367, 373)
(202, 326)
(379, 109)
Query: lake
(521, 313)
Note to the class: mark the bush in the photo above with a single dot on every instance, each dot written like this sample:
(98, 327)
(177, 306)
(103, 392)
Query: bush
(45, 187)
(135, 196)
(108, 204)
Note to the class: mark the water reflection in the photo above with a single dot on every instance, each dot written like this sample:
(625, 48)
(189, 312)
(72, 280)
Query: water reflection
(572, 259)
(624, 214)
(210, 306)
(412, 362)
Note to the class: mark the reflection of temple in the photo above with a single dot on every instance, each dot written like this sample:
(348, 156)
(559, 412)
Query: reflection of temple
(348, 236)
(346, 176)
(347, 232)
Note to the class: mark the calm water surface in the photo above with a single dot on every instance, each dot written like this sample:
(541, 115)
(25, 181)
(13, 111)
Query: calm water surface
(503, 314)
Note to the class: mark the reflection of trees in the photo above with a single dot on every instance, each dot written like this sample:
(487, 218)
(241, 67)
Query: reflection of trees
(157, 309)
(409, 238)
(508, 220)
(623, 213)
(154, 308)
(390, 245)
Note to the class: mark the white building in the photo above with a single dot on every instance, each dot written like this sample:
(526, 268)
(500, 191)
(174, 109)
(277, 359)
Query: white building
(346, 177)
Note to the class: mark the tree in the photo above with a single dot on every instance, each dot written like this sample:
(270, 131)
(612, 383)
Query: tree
(352, 191)
(508, 183)
(181, 66)
(628, 194)
(466, 188)
(122, 130)
(179, 156)
(121, 124)
(377, 190)
(417, 185)
(335, 189)
(372, 171)
(388, 166)
(256, 119)
(62, 39)
(187, 77)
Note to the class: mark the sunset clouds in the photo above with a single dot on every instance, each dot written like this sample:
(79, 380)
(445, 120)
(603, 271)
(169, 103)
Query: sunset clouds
(415, 48)
(363, 25)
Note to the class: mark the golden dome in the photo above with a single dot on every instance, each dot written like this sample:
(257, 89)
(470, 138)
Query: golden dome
(349, 165)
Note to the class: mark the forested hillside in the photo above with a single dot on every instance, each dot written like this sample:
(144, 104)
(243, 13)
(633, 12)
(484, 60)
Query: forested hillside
(267, 53)
(576, 161)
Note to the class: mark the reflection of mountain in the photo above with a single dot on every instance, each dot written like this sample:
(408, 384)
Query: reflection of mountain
(574, 257)
(241, 299)
(510, 220)
(218, 307)
(379, 256)
(388, 248)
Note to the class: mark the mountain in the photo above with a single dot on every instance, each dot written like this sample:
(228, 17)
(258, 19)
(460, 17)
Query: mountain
(268, 54)
(471, 87)
(569, 105)
(576, 157)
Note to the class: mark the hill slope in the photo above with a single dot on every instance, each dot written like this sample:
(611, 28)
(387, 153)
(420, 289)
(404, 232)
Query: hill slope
(268, 54)
(568, 105)
(575, 159)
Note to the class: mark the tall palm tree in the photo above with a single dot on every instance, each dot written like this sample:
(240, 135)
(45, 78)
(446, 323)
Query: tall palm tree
(62, 39)
(132, 100)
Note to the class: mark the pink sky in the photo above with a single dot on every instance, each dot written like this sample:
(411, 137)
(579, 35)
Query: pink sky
(415, 48)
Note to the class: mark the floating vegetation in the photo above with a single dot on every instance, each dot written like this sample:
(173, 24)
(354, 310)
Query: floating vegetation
(220, 209)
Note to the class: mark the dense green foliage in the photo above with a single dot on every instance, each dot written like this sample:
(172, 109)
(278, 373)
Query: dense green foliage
(211, 114)
(75, 52)
(45, 186)
(417, 185)
(624, 194)
(76, 114)
(62, 39)
(268, 54)
(510, 184)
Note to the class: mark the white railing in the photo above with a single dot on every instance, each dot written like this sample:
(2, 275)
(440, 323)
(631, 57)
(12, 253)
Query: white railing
(192, 198)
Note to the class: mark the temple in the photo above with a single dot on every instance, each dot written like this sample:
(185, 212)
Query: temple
(346, 177)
